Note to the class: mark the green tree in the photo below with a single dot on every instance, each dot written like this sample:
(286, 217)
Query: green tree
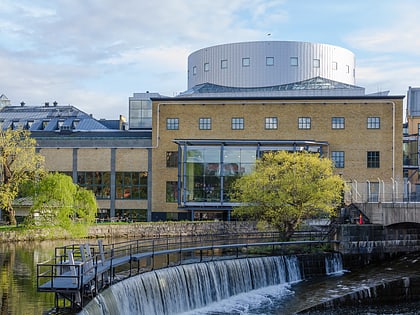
(19, 163)
(286, 188)
(58, 202)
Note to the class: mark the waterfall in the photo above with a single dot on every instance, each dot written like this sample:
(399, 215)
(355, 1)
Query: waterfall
(187, 287)
(334, 264)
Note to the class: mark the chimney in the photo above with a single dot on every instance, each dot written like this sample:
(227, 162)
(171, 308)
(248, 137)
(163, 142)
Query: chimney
(47, 104)
(22, 104)
(55, 103)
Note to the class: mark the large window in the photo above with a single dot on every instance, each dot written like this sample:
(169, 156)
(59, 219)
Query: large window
(304, 122)
(204, 123)
(338, 158)
(237, 123)
(209, 174)
(337, 122)
(131, 185)
(172, 123)
(374, 122)
(373, 159)
(98, 182)
(271, 123)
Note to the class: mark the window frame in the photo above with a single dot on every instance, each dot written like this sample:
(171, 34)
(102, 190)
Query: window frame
(171, 159)
(206, 67)
(304, 123)
(338, 157)
(338, 123)
(238, 123)
(373, 159)
(223, 64)
(172, 123)
(246, 62)
(294, 61)
(373, 122)
(204, 123)
(271, 123)
(269, 61)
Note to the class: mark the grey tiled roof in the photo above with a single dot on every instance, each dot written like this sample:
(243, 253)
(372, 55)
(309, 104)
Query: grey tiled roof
(48, 118)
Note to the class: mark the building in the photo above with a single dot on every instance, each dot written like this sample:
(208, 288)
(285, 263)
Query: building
(180, 154)
(99, 155)
(411, 144)
(202, 144)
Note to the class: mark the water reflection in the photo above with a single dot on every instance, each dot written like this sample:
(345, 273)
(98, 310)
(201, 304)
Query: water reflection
(18, 293)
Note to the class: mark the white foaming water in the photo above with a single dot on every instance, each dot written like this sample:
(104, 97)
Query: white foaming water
(245, 303)
(334, 264)
(191, 287)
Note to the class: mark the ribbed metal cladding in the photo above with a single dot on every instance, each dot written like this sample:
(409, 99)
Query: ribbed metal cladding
(259, 74)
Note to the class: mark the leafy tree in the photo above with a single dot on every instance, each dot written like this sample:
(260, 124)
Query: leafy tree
(19, 163)
(58, 202)
(286, 188)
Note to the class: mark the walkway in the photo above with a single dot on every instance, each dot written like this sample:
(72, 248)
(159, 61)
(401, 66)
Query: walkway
(80, 271)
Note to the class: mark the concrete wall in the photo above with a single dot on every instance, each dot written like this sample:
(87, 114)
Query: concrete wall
(391, 213)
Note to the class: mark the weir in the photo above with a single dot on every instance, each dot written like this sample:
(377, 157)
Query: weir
(183, 288)
(180, 289)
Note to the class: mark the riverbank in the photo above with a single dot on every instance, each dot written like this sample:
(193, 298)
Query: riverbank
(132, 230)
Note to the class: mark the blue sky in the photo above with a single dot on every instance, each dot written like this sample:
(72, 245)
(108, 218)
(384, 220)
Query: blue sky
(94, 54)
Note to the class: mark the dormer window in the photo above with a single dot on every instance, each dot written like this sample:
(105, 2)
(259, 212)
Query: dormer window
(75, 123)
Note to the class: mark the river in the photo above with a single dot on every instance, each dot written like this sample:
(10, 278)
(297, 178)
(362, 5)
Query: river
(19, 296)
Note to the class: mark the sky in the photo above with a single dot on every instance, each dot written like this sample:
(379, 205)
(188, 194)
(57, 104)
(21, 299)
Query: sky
(94, 54)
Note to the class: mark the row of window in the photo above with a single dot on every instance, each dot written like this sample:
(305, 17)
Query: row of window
(372, 159)
(128, 185)
(238, 123)
(269, 61)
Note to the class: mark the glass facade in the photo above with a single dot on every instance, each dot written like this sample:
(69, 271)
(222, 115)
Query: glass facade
(140, 114)
(207, 171)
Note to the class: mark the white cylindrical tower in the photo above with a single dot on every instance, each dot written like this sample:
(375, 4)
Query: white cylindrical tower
(269, 63)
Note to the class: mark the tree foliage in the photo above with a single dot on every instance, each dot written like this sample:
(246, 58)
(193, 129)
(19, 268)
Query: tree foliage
(19, 163)
(58, 202)
(286, 188)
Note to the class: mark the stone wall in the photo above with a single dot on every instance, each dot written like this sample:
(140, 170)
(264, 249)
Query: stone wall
(363, 244)
(136, 230)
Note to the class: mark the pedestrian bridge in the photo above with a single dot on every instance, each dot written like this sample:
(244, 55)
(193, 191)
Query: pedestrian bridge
(390, 213)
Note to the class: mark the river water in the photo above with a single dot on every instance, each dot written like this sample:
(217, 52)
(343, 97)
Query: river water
(18, 295)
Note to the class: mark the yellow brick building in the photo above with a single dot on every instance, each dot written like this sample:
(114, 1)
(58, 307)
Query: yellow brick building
(201, 144)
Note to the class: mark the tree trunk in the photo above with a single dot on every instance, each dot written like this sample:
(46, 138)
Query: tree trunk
(11, 215)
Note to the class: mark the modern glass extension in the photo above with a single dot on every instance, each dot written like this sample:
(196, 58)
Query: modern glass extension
(207, 168)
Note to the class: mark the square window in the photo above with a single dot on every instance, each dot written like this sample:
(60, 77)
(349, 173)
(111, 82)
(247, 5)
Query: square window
(304, 122)
(204, 123)
(172, 123)
(338, 158)
(373, 159)
(246, 62)
(172, 159)
(337, 122)
(317, 63)
(269, 61)
(294, 61)
(373, 122)
(335, 65)
(271, 123)
(194, 70)
(237, 123)
(206, 67)
(223, 64)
